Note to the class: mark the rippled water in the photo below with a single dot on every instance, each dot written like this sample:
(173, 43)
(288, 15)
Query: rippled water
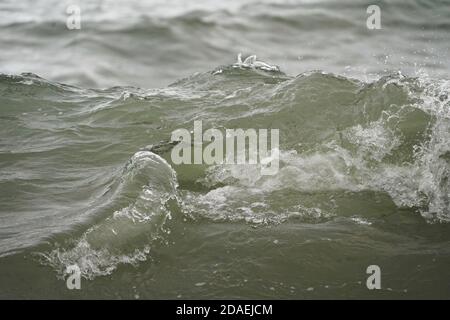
(86, 175)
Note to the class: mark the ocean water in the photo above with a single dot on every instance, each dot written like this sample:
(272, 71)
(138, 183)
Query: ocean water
(86, 176)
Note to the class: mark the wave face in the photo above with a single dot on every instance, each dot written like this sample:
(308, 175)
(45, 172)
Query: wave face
(86, 178)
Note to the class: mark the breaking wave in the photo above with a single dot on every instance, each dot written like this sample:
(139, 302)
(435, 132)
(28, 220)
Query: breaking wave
(385, 143)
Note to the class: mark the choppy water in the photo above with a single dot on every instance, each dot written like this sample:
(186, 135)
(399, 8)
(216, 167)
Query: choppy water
(86, 178)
